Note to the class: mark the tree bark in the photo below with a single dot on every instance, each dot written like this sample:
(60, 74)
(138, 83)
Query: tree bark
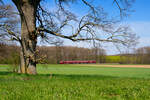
(27, 10)
(22, 67)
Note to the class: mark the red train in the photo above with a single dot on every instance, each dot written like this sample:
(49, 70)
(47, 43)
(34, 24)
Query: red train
(78, 62)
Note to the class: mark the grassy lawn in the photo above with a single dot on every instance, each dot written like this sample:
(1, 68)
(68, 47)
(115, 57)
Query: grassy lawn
(75, 82)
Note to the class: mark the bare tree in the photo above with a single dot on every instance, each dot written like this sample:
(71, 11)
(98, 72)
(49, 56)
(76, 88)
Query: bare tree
(37, 21)
(99, 53)
(58, 48)
(143, 55)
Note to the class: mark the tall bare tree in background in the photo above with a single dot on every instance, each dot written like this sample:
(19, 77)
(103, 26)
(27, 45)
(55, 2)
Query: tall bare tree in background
(99, 53)
(143, 55)
(38, 21)
(58, 48)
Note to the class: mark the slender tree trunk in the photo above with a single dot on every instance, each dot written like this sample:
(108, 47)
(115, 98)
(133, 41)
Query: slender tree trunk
(22, 67)
(27, 10)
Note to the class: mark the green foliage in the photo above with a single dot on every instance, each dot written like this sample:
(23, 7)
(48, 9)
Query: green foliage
(113, 59)
(74, 82)
(123, 59)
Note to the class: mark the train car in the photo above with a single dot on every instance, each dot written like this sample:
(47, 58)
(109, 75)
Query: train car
(78, 62)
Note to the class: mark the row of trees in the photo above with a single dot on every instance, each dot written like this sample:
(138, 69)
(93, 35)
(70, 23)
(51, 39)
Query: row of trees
(142, 55)
(138, 56)
(9, 54)
(55, 54)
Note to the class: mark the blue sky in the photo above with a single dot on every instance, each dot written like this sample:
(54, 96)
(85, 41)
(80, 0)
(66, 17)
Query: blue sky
(139, 20)
(142, 8)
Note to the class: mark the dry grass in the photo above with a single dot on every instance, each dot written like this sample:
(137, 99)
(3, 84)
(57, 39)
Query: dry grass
(115, 65)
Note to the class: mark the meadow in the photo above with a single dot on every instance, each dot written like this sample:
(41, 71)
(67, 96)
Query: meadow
(76, 82)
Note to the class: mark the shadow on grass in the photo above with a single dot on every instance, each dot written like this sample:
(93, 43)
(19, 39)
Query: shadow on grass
(63, 76)
(73, 76)
(6, 73)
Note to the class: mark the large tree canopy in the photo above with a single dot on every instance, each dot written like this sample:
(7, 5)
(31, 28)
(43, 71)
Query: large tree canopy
(39, 20)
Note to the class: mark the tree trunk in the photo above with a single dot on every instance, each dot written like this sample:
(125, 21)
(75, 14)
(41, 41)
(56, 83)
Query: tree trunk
(22, 67)
(27, 10)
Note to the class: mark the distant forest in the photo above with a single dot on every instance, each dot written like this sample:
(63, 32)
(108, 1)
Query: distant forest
(9, 54)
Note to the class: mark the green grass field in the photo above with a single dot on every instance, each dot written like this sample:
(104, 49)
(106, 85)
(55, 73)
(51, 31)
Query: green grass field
(75, 82)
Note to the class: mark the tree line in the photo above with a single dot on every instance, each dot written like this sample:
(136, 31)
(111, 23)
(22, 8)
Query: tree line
(9, 54)
(138, 56)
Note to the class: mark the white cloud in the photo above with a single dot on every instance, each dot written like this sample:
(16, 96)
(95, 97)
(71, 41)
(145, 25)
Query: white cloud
(77, 44)
(141, 28)
(144, 41)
